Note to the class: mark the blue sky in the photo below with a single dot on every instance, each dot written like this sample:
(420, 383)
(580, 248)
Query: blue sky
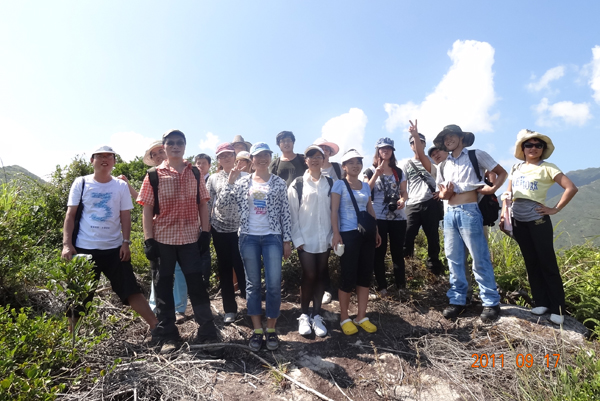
(75, 75)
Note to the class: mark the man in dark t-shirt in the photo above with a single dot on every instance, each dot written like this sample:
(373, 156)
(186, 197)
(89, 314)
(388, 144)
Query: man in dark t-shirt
(290, 165)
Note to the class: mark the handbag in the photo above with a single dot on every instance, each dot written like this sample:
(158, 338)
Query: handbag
(78, 214)
(366, 223)
(439, 204)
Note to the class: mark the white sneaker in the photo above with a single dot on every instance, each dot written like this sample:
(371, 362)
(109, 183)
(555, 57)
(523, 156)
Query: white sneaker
(539, 310)
(318, 326)
(304, 325)
(327, 298)
(557, 319)
(229, 318)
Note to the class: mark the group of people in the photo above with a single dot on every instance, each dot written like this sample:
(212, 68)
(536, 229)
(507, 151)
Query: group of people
(257, 209)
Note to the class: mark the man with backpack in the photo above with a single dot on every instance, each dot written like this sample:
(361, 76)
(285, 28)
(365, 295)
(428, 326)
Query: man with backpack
(176, 229)
(289, 165)
(460, 182)
(423, 206)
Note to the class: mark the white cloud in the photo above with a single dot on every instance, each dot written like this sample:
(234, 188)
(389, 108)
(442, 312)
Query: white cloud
(347, 131)
(571, 113)
(595, 74)
(210, 143)
(464, 96)
(551, 75)
(128, 144)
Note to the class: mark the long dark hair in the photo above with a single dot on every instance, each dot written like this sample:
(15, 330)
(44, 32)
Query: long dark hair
(391, 162)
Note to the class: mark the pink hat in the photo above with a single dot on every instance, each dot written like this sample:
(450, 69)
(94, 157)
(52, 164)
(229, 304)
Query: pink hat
(225, 147)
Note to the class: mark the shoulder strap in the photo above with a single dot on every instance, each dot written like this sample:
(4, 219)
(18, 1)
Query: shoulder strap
(350, 191)
(83, 186)
(421, 175)
(153, 177)
(298, 186)
(196, 173)
(337, 170)
(441, 168)
(331, 183)
(399, 174)
(472, 154)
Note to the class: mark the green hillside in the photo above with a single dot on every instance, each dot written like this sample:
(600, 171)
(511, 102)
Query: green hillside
(10, 172)
(578, 177)
(579, 220)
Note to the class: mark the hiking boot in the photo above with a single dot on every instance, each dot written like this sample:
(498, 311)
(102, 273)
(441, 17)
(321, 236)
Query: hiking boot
(256, 342)
(271, 341)
(304, 325)
(490, 313)
(318, 326)
(452, 311)
(229, 318)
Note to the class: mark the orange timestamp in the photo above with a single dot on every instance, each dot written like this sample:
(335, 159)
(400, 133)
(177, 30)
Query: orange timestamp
(521, 360)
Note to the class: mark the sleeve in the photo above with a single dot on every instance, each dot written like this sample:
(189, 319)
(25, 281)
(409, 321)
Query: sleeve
(434, 171)
(212, 194)
(202, 190)
(75, 192)
(552, 170)
(126, 203)
(146, 195)
(485, 161)
(338, 187)
(294, 202)
(285, 217)
(273, 169)
(404, 166)
(439, 168)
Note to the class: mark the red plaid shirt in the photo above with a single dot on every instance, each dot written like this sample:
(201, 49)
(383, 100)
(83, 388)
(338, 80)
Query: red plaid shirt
(178, 222)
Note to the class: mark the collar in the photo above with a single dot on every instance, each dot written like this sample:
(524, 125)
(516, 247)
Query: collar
(165, 165)
(463, 152)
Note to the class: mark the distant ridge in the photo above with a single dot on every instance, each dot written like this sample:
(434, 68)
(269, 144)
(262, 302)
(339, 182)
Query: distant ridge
(8, 173)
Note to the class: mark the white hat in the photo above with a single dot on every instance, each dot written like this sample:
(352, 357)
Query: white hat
(322, 141)
(103, 149)
(147, 159)
(243, 155)
(350, 154)
(314, 147)
(526, 134)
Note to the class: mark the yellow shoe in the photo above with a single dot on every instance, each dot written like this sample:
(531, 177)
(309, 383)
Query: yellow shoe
(366, 325)
(348, 327)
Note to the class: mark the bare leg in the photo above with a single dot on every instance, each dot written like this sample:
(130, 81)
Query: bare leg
(362, 296)
(344, 298)
(271, 323)
(139, 303)
(257, 322)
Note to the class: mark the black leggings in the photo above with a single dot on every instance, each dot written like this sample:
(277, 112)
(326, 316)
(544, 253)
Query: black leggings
(315, 267)
(395, 229)
(228, 257)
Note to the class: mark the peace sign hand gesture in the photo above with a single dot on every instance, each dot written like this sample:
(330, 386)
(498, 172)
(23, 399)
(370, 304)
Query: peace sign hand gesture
(413, 129)
(380, 168)
(235, 173)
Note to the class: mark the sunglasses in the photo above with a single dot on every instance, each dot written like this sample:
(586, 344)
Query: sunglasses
(178, 143)
(529, 145)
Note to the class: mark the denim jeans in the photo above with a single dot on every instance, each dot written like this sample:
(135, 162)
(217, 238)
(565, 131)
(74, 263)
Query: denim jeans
(463, 228)
(271, 247)
(180, 292)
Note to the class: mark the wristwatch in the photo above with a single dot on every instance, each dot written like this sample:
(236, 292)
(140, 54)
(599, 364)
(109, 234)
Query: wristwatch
(126, 241)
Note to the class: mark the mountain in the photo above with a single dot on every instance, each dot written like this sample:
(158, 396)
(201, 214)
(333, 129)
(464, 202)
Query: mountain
(8, 173)
(578, 177)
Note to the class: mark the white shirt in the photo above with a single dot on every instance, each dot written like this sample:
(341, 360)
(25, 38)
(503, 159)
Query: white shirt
(311, 224)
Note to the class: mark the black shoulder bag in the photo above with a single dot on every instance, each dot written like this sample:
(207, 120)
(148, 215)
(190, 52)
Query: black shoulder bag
(78, 214)
(366, 223)
(439, 204)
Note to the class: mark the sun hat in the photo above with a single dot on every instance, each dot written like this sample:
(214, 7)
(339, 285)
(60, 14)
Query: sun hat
(147, 159)
(351, 154)
(104, 149)
(421, 137)
(224, 147)
(243, 155)
(468, 137)
(173, 132)
(323, 141)
(258, 148)
(314, 147)
(239, 139)
(525, 135)
(382, 142)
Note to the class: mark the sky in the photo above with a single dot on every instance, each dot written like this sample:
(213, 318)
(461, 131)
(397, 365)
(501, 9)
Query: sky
(75, 75)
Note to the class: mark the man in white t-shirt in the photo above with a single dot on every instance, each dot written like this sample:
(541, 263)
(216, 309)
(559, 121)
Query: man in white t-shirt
(104, 229)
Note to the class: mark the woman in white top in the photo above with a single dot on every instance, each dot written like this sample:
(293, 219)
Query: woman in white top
(309, 199)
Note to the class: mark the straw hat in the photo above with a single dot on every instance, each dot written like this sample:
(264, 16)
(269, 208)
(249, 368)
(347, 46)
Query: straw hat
(239, 139)
(147, 159)
(526, 134)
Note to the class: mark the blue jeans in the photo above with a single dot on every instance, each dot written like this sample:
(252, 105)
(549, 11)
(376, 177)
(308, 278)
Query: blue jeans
(180, 291)
(463, 227)
(271, 247)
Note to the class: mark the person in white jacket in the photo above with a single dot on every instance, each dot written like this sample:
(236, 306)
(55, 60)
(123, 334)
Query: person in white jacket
(309, 199)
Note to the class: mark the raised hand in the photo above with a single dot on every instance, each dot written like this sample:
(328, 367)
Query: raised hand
(380, 168)
(235, 173)
(413, 129)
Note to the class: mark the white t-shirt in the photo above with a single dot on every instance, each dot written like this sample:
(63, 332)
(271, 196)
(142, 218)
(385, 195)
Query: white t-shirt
(100, 224)
(258, 220)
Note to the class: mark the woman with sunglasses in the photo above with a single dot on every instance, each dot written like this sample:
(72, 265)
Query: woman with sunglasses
(357, 261)
(225, 222)
(389, 193)
(532, 229)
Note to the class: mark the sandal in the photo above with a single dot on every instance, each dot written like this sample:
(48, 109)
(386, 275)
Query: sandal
(366, 325)
(348, 327)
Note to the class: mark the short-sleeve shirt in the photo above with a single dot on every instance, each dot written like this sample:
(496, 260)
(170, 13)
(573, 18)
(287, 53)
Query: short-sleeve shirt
(386, 190)
(418, 190)
(331, 172)
(461, 172)
(288, 170)
(347, 220)
(531, 181)
(178, 222)
(100, 224)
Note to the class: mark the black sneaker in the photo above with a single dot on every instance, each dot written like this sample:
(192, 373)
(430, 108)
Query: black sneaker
(271, 341)
(452, 311)
(256, 342)
(490, 313)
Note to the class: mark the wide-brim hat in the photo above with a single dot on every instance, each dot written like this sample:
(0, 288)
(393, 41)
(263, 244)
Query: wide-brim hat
(147, 159)
(239, 139)
(467, 137)
(350, 154)
(323, 141)
(526, 134)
